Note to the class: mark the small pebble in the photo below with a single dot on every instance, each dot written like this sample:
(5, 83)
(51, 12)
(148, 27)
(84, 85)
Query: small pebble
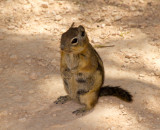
(141, 1)
(132, 8)
(13, 57)
(141, 75)
(58, 18)
(121, 106)
(44, 5)
(54, 115)
(95, 40)
(33, 76)
(103, 25)
(3, 113)
(157, 73)
(132, 61)
(9, 113)
(128, 56)
(124, 113)
(27, 56)
(11, 27)
(117, 18)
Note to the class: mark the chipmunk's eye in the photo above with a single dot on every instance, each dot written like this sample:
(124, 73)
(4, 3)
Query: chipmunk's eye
(83, 33)
(74, 41)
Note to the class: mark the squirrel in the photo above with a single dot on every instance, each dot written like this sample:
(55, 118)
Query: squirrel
(82, 71)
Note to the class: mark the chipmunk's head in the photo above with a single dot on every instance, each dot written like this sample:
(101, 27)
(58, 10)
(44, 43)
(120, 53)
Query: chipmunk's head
(74, 40)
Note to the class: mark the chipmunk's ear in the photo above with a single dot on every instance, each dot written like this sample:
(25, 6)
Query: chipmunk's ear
(81, 30)
(72, 25)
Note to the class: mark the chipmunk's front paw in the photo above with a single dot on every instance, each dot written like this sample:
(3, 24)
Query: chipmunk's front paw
(62, 99)
(80, 111)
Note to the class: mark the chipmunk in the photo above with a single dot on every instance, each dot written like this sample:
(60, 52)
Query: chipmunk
(82, 71)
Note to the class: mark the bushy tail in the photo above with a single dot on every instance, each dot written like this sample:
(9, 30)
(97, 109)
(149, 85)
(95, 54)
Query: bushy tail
(116, 91)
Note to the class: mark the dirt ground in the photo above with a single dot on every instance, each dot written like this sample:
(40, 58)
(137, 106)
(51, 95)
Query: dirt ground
(125, 33)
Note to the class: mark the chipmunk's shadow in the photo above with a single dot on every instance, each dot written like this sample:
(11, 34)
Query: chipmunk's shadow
(56, 115)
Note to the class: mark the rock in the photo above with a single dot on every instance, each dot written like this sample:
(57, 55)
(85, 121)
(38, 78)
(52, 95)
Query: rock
(124, 113)
(141, 1)
(11, 27)
(137, 13)
(103, 25)
(121, 106)
(13, 57)
(10, 113)
(95, 40)
(128, 56)
(120, 28)
(132, 25)
(117, 18)
(98, 19)
(54, 115)
(132, 61)
(58, 18)
(33, 76)
(108, 22)
(157, 73)
(3, 113)
(149, 3)
(141, 75)
(132, 8)
(44, 5)
(37, 19)
(54, 13)
(126, 61)
(27, 56)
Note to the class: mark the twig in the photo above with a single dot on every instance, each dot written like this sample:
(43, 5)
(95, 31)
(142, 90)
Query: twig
(102, 46)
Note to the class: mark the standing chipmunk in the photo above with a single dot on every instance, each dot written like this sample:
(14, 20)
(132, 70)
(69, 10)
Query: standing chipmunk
(82, 71)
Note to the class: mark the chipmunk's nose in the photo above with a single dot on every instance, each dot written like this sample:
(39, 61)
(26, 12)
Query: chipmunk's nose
(62, 47)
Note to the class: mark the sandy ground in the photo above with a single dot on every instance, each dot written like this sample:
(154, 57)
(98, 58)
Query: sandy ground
(125, 33)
